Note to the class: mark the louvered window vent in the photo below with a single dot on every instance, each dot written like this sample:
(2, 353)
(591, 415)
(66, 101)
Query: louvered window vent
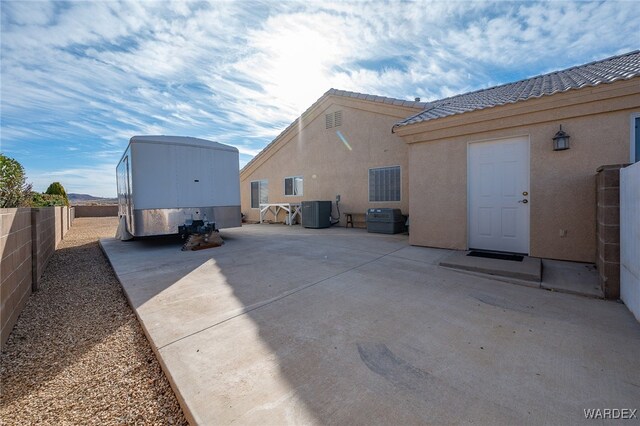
(328, 120)
(333, 120)
(337, 121)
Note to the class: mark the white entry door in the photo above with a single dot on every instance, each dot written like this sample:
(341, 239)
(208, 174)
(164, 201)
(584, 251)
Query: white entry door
(498, 174)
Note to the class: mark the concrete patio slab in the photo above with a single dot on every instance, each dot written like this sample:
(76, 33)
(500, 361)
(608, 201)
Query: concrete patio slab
(556, 275)
(194, 294)
(571, 277)
(530, 269)
(289, 325)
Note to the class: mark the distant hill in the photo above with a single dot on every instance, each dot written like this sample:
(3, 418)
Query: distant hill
(86, 199)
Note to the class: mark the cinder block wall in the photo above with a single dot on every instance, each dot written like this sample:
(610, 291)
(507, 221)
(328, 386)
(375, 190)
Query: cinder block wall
(28, 239)
(96, 211)
(43, 235)
(15, 271)
(58, 224)
(608, 229)
(64, 216)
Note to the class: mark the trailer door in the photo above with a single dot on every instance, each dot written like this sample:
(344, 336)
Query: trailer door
(124, 190)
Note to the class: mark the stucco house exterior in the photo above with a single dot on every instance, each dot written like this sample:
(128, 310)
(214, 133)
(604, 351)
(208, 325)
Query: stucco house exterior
(334, 148)
(483, 172)
(477, 170)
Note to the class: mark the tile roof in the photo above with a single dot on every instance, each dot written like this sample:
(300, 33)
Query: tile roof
(374, 98)
(346, 94)
(622, 67)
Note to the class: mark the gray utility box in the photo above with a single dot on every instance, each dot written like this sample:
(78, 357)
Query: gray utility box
(316, 214)
(385, 221)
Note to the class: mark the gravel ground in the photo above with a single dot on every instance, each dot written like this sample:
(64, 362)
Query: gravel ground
(78, 354)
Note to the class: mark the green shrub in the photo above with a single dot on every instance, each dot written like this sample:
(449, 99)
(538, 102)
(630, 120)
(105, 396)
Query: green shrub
(56, 188)
(47, 200)
(14, 190)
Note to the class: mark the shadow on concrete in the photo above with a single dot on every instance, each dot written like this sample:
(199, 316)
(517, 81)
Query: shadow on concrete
(339, 326)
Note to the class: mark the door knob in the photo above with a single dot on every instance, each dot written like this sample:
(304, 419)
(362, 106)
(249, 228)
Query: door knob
(525, 201)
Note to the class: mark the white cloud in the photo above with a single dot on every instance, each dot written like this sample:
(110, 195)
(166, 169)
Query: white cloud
(24, 13)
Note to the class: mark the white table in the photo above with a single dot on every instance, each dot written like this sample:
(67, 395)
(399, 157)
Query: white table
(292, 209)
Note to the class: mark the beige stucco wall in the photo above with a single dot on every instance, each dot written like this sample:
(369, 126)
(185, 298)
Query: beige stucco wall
(326, 164)
(562, 193)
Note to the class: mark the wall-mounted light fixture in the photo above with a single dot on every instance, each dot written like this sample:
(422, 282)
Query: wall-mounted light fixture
(561, 140)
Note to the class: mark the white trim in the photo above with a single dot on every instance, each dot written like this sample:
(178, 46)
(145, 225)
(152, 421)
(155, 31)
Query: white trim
(468, 192)
(251, 193)
(632, 137)
(528, 136)
(284, 183)
(369, 183)
(521, 135)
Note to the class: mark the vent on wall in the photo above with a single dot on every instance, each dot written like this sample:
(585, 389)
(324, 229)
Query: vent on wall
(337, 121)
(328, 120)
(333, 119)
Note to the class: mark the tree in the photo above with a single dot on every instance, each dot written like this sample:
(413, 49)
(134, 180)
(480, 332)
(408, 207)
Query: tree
(14, 190)
(56, 188)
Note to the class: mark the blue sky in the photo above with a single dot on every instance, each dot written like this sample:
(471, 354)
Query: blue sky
(79, 79)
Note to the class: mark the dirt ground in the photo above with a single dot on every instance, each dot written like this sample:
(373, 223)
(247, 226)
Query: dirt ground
(77, 354)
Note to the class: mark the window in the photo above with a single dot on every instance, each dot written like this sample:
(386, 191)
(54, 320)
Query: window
(259, 193)
(333, 120)
(384, 184)
(293, 186)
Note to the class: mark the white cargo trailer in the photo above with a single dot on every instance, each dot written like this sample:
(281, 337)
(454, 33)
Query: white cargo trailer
(168, 181)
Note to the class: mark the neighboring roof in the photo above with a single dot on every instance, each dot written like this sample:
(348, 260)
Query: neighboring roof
(345, 94)
(182, 140)
(622, 67)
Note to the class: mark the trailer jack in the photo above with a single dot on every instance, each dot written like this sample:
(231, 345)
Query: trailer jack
(199, 235)
(196, 227)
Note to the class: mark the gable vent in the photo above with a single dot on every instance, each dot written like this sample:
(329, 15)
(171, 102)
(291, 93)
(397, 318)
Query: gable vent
(328, 120)
(333, 120)
(337, 121)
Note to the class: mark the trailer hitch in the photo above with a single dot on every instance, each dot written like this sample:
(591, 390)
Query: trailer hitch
(199, 227)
